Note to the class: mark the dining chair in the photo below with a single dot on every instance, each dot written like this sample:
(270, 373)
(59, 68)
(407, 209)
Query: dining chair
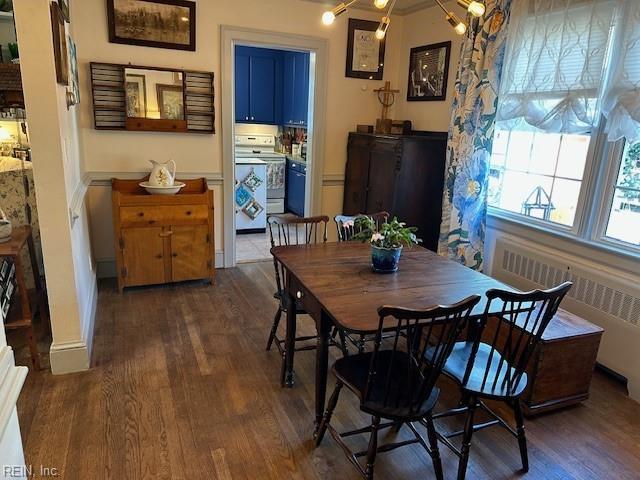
(347, 228)
(493, 365)
(292, 230)
(394, 381)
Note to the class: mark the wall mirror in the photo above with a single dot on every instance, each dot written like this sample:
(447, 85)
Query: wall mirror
(137, 98)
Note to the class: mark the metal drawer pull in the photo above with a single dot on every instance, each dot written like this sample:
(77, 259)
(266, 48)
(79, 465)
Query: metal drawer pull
(299, 294)
(167, 234)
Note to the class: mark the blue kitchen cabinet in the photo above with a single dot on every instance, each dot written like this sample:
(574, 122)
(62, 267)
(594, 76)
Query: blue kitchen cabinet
(296, 180)
(258, 85)
(296, 88)
(242, 87)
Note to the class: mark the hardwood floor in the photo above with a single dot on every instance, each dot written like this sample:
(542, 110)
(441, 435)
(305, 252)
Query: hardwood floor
(182, 388)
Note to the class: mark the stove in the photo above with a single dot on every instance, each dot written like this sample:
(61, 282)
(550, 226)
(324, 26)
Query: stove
(264, 147)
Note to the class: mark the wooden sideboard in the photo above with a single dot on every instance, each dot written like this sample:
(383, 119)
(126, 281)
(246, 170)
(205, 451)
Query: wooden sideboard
(162, 238)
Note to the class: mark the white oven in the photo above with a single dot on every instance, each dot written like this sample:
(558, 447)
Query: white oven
(263, 147)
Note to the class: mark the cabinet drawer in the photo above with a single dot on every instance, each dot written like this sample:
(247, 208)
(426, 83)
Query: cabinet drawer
(173, 214)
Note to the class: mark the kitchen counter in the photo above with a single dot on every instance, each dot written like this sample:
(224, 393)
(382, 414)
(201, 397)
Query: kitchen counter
(297, 158)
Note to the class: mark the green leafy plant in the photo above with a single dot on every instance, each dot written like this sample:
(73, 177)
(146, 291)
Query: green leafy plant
(13, 50)
(393, 234)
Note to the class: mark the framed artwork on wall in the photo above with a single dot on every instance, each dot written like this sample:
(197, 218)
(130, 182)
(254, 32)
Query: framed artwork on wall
(365, 53)
(73, 67)
(60, 53)
(136, 90)
(153, 23)
(428, 72)
(170, 101)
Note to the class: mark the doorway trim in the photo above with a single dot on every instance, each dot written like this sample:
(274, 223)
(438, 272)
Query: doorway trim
(231, 36)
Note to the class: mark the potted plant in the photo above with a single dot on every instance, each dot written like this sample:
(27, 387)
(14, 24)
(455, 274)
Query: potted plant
(387, 241)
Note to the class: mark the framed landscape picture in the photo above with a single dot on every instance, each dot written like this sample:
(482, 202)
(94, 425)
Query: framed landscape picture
(153, 23)
(365, 53)
(170, 102)
(428, 72)
(136, 90)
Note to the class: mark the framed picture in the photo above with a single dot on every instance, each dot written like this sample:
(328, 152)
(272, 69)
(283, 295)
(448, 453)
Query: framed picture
(73, 67)
(428, 72)
(365, 53)
(170, 102)
(153, 23)
(64, 8)
(136, 90)
(59, 45)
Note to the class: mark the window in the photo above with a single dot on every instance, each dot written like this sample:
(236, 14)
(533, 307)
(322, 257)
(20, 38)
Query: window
(538, 174)
(624, 218)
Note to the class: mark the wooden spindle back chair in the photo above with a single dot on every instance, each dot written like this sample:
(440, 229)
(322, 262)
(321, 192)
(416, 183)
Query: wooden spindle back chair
(493, 365)
(347, 228)
(287, 230)
(395, 381)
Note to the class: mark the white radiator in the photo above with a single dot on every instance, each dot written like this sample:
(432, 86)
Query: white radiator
(608, 298)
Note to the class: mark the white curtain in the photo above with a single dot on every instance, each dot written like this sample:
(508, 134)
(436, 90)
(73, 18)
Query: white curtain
(555, 64)
(621, 104)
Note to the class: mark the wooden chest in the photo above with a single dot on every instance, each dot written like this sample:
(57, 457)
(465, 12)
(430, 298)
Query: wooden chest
(162, 238)
(561, 367)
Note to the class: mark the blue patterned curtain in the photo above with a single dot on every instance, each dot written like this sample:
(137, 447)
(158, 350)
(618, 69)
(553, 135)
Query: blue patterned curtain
(464, 207)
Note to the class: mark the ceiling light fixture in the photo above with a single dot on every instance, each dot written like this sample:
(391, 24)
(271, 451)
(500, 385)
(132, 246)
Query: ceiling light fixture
(458, 25)
(330, 15)
(381, 32)
(476, 9)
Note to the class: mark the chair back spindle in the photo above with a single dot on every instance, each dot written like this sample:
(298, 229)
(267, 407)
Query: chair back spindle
(290, 230)
(400, 379)
(522, 320)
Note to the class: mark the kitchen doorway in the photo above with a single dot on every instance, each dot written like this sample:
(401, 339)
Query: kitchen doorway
(273, 108)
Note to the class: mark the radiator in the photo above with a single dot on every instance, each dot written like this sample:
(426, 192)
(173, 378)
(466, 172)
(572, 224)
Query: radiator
(608, 298)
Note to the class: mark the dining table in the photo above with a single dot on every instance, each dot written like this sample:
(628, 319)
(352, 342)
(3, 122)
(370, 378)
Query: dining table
(335, 284)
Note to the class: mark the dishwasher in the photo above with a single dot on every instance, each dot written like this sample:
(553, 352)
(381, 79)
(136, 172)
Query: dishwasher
(296, 180)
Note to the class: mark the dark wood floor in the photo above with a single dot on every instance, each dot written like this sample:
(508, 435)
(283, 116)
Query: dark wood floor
(182, 388)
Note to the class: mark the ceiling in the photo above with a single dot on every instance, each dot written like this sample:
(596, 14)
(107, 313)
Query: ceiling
(403, 7)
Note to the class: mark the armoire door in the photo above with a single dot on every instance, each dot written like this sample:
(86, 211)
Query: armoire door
(143, 255)
(190, 252)
(356, 174)
(383, 162)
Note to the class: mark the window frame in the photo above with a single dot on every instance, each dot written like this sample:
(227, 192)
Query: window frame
(595, 200)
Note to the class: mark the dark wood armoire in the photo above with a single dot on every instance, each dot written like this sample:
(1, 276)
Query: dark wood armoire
(403, 175)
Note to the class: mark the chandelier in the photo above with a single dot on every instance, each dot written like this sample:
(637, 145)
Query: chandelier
(475, 8)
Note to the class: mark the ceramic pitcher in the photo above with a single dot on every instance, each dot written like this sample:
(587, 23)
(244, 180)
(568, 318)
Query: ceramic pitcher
(160, 175)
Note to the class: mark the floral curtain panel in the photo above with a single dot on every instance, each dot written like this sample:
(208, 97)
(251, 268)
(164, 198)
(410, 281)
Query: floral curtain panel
(471, 136)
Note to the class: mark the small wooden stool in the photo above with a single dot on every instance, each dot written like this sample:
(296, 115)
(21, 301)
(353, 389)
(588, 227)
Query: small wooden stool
(21, 314)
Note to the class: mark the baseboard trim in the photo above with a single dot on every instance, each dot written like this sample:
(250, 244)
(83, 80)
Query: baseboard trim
(75, 356)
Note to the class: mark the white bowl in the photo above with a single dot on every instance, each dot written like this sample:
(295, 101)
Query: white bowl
(169, 190)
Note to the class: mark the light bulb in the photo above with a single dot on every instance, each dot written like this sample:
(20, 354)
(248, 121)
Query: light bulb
(328, 17)
(458, 25)
(460, 29)
(382, 28)
(380, 3)
(474, 7)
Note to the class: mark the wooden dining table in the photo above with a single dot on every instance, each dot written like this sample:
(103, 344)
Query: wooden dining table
(335, 284)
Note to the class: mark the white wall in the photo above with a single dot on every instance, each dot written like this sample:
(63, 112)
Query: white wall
(349, 102)
(426, 27)
(58, 174)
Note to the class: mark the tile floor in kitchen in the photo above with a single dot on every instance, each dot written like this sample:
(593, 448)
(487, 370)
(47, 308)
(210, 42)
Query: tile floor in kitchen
(253, 247)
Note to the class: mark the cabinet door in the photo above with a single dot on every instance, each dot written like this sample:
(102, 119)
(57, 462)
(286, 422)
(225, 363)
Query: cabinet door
(356, 175)
(262, 89)
(190, 252)
(143, 254)
(301, 88)
(242, 86)
(382, 176)
(295, 191)
(288, 107)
